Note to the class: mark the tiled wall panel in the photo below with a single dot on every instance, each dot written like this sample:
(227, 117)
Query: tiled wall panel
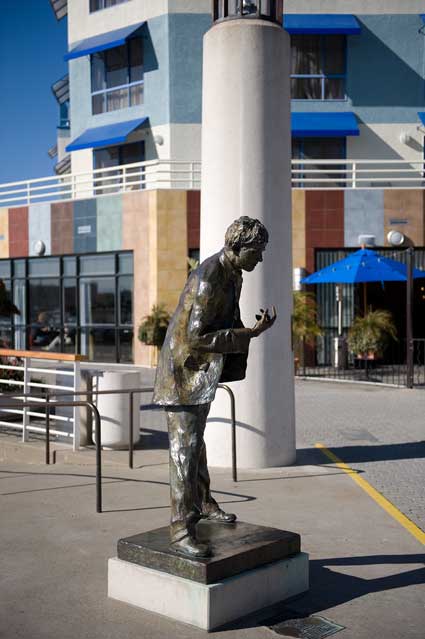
(39, 226)
(85, 223)
(109, 223)
(172, 251)
(324, 221)
(4, 233)
(404, 211)
(62, 228)
(18, 231)
(135, 237)
(363, 215)
(193, 219)
(298, 229)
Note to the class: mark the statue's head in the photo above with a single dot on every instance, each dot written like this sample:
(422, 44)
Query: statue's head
(246, 239)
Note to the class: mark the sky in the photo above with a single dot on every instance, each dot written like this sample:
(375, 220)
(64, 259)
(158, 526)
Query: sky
(32, 46)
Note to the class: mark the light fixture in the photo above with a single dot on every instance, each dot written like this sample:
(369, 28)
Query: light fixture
(158, 139)
(39, 247)
(404, 137)
(395, 238)
(366, 240)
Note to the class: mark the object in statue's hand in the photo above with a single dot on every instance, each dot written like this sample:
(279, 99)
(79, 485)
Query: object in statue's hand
(264, 321)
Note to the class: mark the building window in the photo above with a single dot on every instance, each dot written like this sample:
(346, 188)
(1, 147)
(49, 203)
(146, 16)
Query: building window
(318, 67)
(71, 304)
(117, 77)
(319, 149)
(108, 157)
(96, 5)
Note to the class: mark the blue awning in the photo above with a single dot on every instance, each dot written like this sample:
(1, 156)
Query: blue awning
(102, 42)
(422, 117)
(323, 125)
(105, 135)
(423, 17)
(326, 23)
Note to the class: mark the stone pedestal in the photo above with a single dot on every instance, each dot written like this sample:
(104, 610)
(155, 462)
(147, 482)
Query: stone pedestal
(252, 567)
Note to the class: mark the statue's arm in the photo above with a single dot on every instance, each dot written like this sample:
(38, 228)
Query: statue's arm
(205, 311)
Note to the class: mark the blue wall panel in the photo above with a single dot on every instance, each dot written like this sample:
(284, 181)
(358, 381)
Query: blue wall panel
(39, 227)
(108, 224)
(363, 214)
(85, 226)
(186, 34)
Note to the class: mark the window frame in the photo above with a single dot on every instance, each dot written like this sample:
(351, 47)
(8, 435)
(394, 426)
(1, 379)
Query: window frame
(128, 85)
(300, 184)
(19, 326)
(323, 76)
(102, 2)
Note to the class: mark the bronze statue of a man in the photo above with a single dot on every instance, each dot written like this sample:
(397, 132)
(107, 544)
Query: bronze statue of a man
(206, 343)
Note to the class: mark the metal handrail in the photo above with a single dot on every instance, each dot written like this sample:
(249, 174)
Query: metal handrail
(178, 174)
(233, 420)
(73, 404)
(131, 391)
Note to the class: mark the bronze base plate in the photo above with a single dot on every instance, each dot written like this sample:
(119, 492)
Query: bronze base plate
(236, 548)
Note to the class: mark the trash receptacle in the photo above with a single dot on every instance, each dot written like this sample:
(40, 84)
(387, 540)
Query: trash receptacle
(114, 409)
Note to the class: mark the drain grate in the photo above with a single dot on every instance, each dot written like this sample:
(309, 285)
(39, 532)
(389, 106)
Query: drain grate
(308, 628)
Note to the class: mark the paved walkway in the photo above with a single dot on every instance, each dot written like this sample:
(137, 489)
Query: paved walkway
(367, 571)
(376, 430)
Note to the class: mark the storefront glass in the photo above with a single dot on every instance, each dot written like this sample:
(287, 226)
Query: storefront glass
(72, 304)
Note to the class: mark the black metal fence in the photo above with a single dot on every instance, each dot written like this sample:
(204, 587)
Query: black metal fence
(330, 362)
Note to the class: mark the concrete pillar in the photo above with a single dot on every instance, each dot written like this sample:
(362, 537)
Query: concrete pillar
(246, 171)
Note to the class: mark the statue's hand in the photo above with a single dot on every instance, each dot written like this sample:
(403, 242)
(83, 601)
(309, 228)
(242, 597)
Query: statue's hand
(264, 321)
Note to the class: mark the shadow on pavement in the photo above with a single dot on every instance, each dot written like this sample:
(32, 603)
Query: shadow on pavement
(358, 454)
(238, 496)
(329, 588)
(151, 439)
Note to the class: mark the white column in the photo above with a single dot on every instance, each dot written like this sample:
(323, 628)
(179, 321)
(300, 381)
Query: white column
(246, 171)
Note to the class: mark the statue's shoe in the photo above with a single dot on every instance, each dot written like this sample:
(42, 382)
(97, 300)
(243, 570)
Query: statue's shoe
(220, 517)
(191, 548)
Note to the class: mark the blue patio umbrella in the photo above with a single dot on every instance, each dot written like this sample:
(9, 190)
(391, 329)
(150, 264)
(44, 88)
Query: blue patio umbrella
(364, 265)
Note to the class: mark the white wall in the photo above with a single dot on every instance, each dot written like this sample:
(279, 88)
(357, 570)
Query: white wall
(186, 142)
(382, 141)
(83, 24)
(354, 6)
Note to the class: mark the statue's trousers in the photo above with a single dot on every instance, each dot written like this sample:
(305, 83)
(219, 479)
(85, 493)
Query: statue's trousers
(189, 477)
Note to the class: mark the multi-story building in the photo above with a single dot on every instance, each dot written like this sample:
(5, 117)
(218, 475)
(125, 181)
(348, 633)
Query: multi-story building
(125, 207)
(357, 78)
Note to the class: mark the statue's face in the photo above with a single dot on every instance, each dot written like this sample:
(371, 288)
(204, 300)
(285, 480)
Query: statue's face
(249, 256)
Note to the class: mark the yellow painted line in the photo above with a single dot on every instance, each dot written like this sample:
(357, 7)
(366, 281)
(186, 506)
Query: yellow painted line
(376, 496)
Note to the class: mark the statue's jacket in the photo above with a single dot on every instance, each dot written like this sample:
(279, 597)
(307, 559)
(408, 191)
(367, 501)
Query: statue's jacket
(202, 346)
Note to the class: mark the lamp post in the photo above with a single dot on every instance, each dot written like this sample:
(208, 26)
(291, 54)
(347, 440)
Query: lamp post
(246, 156)
(409, 317)
(397, 239)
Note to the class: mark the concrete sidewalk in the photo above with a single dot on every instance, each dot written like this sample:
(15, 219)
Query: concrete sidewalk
(367, 571)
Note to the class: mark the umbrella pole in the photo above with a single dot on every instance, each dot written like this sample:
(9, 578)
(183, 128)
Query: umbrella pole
(364, 299)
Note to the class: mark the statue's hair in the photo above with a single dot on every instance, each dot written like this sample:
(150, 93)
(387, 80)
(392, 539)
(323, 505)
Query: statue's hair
(245, 231)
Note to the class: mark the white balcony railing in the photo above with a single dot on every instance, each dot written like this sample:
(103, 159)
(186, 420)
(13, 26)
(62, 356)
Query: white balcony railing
(173, 174)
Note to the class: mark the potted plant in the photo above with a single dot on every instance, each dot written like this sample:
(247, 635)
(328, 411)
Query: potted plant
(369, 335)
(305, 328)
(154, 326)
